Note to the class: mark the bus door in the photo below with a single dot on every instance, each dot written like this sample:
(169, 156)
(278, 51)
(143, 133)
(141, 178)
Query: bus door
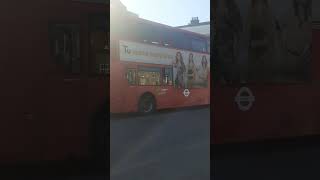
(98, 82)
(166, 92)
(99, 62)
(71, 86)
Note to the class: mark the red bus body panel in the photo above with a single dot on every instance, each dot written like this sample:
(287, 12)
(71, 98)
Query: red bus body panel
(44, 113)
(279, 110)
(125, 97)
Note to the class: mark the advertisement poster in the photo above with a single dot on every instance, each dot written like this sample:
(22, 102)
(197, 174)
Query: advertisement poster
(190, 69)
(263, 40)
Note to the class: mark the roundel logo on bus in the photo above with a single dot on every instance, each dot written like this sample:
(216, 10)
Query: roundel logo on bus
(244, 99)
(186, 92)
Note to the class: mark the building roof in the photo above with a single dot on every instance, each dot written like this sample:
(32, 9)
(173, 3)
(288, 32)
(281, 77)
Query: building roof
(200, 28)
(197, 27)
(141, 20)
(193, 25)
(204, 29)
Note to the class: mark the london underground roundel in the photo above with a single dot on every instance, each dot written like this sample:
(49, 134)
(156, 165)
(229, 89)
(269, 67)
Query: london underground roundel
(244, 99)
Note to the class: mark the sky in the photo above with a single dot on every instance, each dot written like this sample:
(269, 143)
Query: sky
(170, 12)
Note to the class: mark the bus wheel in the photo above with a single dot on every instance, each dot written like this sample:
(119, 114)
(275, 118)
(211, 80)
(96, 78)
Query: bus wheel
(147, 104)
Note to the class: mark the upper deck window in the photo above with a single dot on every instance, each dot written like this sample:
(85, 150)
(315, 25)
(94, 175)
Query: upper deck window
(65, 45)
(264, 46)
(199, 45)
(161, 35)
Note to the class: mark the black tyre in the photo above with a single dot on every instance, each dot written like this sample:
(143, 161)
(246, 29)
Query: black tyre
(147, 104)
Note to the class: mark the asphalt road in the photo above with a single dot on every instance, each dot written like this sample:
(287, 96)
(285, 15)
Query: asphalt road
(174, 145)
(167, 145)
(269, 161)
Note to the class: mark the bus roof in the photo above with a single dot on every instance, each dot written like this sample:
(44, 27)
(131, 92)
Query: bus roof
(145, 21)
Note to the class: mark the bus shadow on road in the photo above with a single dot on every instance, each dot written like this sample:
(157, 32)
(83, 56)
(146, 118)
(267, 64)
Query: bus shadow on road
(123, 116)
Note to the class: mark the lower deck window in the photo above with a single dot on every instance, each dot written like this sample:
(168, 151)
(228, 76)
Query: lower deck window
(131, 76)
(149, 76)
(167, 76)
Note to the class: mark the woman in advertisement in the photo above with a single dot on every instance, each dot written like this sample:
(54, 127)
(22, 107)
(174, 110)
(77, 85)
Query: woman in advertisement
(261, 29)
(297, 39)
(302, 11)
(191, 71)
(179, 71)
(229, 27)
(204, 71)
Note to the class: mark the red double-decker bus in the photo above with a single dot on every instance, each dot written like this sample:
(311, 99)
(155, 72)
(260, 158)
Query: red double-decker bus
(266, 84)
(155, 66)
(54, 79)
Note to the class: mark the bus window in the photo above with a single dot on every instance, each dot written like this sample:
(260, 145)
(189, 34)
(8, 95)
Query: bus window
(149, 76)
(146, 33)
(167, 76)
(179, 40)
(65, 46)
(99, 45)
(104, 68)
(166, 44)
(131, 76)
(274, 48)
(198, 45)
(99, 52)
